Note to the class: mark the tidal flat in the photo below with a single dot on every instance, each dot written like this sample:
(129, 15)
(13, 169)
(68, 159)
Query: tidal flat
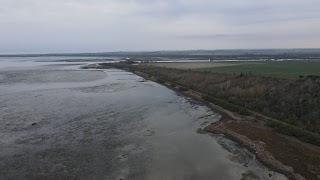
(62, 122)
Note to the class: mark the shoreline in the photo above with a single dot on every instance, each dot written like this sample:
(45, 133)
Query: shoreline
(258, 148)
(262, 156)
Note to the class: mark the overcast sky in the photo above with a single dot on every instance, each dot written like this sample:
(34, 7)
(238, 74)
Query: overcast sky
(46, 26)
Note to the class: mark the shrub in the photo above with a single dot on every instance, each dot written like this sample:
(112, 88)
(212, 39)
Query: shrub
(295, 132)
(160, 81)
(183, 88)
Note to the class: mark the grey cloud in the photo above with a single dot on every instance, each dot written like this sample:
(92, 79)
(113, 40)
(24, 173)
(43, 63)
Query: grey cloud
(111, 25)
(211, 36)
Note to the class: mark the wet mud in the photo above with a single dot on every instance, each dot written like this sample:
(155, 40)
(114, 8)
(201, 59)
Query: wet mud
(63, 122)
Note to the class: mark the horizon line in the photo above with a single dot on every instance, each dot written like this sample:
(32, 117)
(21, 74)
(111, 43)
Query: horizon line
(151, 51)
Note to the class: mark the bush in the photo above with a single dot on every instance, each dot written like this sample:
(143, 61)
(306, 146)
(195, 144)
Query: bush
(227, 105)
(172, 85)
(300, 134)
(183, 88)
(160, 81)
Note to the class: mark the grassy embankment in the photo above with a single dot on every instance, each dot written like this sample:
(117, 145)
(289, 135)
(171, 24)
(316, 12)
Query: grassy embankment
(290, 106)
(285, 69)
(281, 69)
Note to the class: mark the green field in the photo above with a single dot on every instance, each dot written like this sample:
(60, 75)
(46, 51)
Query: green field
(286, 69)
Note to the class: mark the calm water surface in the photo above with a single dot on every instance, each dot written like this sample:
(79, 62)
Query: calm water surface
(60, 122)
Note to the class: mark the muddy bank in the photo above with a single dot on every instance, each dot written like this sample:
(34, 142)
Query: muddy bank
(271, 156)
(257, 147)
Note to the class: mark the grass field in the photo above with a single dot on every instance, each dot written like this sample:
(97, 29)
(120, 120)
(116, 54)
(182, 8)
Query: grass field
(192, 65)
(286, 69)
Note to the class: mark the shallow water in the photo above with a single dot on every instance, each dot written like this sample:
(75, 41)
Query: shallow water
(60, 122)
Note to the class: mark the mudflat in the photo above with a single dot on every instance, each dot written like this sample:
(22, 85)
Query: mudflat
(61, 122)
